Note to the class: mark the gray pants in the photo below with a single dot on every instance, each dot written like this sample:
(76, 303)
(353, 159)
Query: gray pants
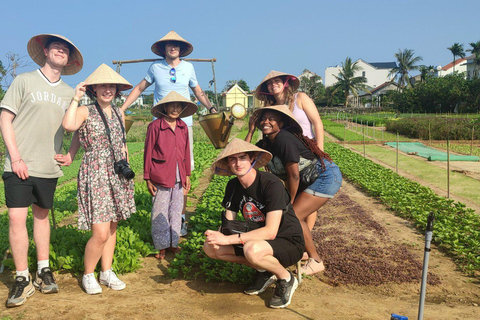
(167, 216)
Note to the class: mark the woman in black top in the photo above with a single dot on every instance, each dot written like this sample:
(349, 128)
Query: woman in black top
(262, 198)
(292, 153)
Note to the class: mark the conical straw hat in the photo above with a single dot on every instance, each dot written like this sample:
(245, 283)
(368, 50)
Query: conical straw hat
(159, 47)
(189, 107)
(220, 166)
(105, 74)
(37, 43)
(262, 89)
(285, 110)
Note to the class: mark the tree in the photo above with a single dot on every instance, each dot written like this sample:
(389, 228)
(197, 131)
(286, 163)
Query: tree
(426, 72)
(241, 83)
(3, 72)
(313, 87)
(457, 50)
(346, 80)
(15, 62)
(406, 62)
(476, 59)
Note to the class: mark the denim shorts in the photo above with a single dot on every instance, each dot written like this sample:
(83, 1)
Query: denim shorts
(328, 182)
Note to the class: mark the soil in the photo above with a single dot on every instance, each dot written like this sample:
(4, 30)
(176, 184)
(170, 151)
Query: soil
(373, 265)
(348, 226)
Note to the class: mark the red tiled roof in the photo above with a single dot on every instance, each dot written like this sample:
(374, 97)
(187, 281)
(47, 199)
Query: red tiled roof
(450, 65)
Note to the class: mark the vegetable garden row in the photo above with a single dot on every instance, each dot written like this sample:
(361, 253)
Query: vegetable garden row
(457, 228)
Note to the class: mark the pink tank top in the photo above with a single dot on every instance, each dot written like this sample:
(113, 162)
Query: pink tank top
(302, 118)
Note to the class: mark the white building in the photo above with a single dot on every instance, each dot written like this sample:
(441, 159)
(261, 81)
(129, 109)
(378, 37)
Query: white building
(376, 73)
(470, 66)
(460, 66)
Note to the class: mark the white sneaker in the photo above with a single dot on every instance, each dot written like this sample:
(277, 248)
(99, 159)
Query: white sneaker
(90, 284)
(110, 279)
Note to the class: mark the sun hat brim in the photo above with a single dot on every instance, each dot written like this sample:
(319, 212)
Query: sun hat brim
(283, 109)
(37, 43)
(220, 166)
(262, 89)
(189, 107)
(159, 46)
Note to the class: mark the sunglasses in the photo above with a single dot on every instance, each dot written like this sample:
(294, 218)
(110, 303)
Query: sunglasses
(173, 77)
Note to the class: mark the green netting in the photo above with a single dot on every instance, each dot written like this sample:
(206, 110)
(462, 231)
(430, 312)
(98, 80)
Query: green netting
(431, 154)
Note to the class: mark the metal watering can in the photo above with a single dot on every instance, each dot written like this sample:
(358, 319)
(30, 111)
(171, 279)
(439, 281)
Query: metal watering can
(217, 126)
(128, 123)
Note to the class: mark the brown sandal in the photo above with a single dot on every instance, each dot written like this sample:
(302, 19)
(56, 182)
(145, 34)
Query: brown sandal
(160, 255)
(174, 250)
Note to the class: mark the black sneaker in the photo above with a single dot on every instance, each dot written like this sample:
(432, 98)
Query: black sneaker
(21, 290)
(45, 282)
(283, 292)
(262, 281)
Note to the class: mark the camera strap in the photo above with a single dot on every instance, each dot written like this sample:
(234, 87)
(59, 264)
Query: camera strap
(107, 128)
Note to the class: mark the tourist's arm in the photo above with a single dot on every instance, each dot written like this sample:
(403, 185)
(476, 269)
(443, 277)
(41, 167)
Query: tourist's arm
(203, 98)
(18, 166)
(75, 115)
(268, 232)
(293, 179)
(135, 93)
(251, 127)
(313, 116)
(67, 159)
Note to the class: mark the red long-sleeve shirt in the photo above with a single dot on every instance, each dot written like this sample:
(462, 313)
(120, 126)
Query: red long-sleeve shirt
(164, 148)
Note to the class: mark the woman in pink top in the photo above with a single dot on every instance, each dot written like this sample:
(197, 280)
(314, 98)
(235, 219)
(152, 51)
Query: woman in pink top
(167, 169)
(280, 88)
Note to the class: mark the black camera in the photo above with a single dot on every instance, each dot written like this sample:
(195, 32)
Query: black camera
(123, 168)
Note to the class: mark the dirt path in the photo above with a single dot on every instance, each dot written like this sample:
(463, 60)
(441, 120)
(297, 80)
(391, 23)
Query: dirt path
(150, 294)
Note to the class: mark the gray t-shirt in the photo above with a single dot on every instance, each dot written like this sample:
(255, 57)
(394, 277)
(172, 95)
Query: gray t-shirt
(39, 107)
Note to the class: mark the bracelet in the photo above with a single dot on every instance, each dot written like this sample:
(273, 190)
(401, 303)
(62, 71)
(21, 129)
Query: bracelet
(17, 161)
(76, 99)
(240, 238)
(212, 107)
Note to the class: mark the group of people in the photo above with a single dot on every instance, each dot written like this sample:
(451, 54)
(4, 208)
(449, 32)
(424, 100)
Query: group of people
(283, 199)
(36, 110)
(301, 178)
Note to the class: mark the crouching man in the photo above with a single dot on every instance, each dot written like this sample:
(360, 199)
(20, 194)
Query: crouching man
(262, 198)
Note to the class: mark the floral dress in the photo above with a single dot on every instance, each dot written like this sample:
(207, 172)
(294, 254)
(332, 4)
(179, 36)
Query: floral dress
(103, 195)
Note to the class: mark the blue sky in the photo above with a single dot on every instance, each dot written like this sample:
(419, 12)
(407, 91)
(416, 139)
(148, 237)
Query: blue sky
(248, 38)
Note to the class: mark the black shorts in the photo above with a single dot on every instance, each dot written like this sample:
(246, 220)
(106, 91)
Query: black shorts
(287, 252)
(22, 193)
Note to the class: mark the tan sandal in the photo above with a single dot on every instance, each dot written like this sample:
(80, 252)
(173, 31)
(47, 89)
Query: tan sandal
(312, 267)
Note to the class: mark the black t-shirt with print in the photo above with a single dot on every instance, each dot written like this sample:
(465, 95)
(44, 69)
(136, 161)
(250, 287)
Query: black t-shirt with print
(266, 194)
(287, 147)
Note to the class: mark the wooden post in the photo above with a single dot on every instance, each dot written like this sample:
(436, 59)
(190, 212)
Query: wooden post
(363, 131)
(471, 143)
(396, 161)
(374, 131)
(344, 134)
(429, 134)
(448, 167)
(383, 128)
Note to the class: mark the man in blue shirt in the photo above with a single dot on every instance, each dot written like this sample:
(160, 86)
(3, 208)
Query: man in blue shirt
(172, 74)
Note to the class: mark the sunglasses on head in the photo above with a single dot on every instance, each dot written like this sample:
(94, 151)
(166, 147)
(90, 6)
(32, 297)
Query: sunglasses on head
(173, 74)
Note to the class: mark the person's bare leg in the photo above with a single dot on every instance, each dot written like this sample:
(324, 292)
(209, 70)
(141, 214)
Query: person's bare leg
(95, 245)
(109, 248)
(41, 232)
(18, 237)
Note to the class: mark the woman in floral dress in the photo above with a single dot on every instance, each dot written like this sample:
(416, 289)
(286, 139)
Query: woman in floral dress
(104, 197)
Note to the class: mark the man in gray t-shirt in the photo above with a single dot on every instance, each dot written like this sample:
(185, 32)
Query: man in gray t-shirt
(31, 125)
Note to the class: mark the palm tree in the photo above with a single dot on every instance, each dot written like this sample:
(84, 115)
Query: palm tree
(476, 60)
(457, 50)
(406, 62)
(346, 80)
(425, 72)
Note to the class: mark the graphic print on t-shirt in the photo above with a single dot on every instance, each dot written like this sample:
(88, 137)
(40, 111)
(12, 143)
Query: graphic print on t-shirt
(251, 209)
